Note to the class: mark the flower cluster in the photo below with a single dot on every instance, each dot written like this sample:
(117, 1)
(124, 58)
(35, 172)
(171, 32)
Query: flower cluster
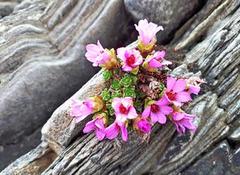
(140, 91)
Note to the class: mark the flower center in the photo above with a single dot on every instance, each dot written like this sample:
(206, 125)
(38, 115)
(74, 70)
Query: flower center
(171, 95)
(123, 109)
(130, 60)
(154, 108)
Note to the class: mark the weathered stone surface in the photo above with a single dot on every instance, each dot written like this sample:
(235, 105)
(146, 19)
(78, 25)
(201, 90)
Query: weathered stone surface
(235, 136)
(42, 57)
(61, 128)
(6, 7)
(11, 151)
(217, 162)
(235, 161)
(168, 13)
(216, 57)
(34, 162)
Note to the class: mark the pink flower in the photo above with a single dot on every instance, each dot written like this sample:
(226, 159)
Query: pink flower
(114, 129)
(147, 31)
(175, 91)
(157, 110)
(100, 56)
(156, 61)
(124, 109)
(143, 125)
(193, 85)
(81, 109)
(131, 58)
(183, 121)
(96, 125)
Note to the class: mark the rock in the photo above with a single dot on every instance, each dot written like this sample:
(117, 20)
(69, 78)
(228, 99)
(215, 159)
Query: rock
(60, 129)
(217, 162)
(34, 162)
(42, 60)
(14, 150)
(216, 58)
(6, 8)
(220, 161)
(235, 161)
(168, 13)
(235, 136)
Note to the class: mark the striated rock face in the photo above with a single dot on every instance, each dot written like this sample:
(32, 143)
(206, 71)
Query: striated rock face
(7, 7)
(171, 14)
(211, 43)
(219, 161)
(42, 59)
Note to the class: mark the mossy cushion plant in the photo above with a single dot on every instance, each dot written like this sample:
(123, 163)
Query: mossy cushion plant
(140, 91)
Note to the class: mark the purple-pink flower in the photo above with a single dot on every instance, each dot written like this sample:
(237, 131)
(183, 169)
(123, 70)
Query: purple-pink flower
(124, 109)
(96, 125)
(97, 54)
(131, 58)
(155, 61)
(157, 110)
(115, 128)
(147, 31)
(81, 109)
(143, 125)
(100, 56)
(176, 91)
(193, 85)
(183, 121)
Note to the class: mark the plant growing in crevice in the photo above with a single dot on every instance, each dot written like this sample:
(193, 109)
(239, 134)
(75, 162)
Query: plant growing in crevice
(141, 92)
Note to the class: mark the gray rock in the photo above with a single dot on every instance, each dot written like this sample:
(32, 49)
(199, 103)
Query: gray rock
(235, 136)
(14, 150)
(42, 60)
(86, 155)
(168, 13)
(215, 163)
(32, 163)
(235, 161)
(7, 7)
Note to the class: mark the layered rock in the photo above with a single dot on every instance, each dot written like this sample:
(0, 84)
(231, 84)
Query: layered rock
(170, 14)
(42, 58)
(216, 57)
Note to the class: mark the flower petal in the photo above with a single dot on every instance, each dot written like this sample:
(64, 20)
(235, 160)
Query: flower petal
(177, 116)
(154, 117)
(163, 101)
(112, 131)
(154, 63)
(166, 110)
(146, 112)
(194, 89)
(89, 126)
(132, 113)
(162, 118)
(100, 134)
(170, 83)
(180, 85)
(183, 97)
(124, 133)
(99, 123)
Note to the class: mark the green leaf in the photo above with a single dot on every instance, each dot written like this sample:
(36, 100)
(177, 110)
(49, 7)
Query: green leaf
(116, 85)
(161, 87)
(110, 109)
(127, 80)
(106, 95)
(116, 94)
(107, 74)
(129, 92)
